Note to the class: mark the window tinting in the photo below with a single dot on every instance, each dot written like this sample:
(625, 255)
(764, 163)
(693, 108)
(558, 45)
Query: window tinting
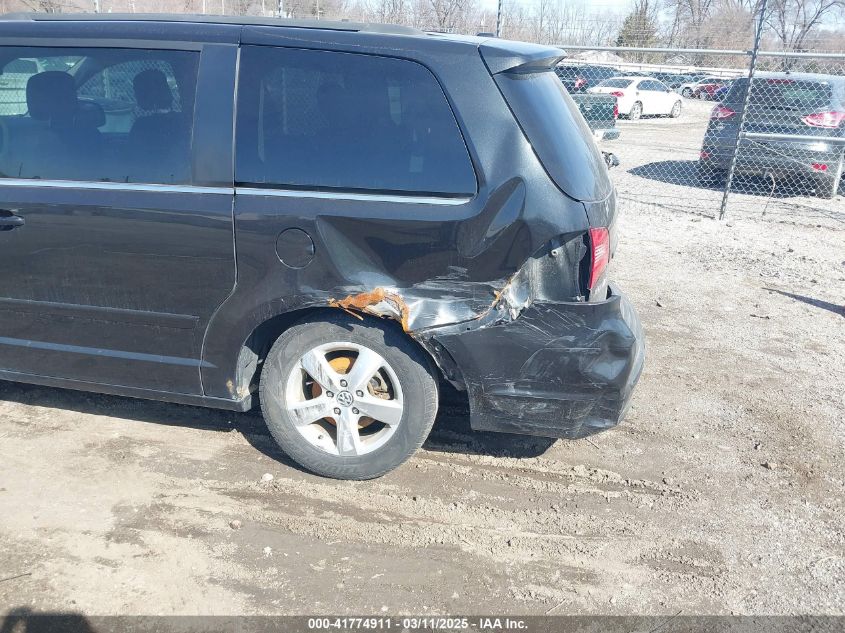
(558, 133)
(97, 115)
(325, 120)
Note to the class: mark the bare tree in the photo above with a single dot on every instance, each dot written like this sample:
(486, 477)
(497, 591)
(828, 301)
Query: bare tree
(50, 6)
(446, 15)
(794, 21)
(689, 18)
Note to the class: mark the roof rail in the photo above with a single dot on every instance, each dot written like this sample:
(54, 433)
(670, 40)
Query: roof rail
(326, 25)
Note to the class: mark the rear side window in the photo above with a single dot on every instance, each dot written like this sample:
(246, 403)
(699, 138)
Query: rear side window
(97, 114)
(326, 120)
(557, 131)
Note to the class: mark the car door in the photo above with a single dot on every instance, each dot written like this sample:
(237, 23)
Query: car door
(325, 204)
(116, 232)
(650, 96)
(667, 97)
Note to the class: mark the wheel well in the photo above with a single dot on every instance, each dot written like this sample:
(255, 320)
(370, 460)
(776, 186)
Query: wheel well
(257, 345)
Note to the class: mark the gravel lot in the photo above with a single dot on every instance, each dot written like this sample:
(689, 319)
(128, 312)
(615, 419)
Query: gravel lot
(723, 492)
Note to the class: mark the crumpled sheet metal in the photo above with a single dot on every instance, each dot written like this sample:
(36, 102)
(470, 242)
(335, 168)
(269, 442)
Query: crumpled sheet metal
(560, 370)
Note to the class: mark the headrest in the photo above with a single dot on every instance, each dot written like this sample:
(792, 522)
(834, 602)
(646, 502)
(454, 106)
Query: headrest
(152, 92)
(90, 114)
(51, 95)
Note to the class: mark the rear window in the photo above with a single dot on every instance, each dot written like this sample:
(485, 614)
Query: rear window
(327, 120)
(558, 133)
(785, 94)
(616, 83)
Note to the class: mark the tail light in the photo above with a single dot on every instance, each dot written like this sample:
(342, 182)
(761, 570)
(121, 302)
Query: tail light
(618, 94)
(721, 113)
(704, 155)
(599, 254)
(615, 109)
(580, 82)
(825, 119)
(819, 167)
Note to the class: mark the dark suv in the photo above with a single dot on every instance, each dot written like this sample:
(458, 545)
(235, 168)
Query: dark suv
(335, 220)
(801, 120)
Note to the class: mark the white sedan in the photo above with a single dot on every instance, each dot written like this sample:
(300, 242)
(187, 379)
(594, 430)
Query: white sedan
(638, 96)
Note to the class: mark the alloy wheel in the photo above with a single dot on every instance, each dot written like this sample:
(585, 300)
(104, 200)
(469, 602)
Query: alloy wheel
(345, 399)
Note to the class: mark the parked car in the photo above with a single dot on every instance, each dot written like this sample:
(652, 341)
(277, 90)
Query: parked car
(687, 89)
(638, 96)
(707, 89)
(808, 107)
(337, 239)
(600, 112)
(578, 78)
(720, 92)
(673, 80)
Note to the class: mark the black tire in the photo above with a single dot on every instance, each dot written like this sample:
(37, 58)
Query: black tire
(676, 110)
(828, 186)
(636, 111)
(411, 365)
(686, 92)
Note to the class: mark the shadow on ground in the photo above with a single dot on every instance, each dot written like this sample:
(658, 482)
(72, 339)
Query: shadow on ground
(451, 432)
(24, 620)
(816, 303)
(683, 173)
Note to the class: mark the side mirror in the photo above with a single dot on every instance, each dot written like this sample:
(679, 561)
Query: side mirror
(610, 159)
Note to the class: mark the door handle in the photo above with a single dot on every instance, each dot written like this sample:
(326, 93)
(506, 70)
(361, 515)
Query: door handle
(10, 222)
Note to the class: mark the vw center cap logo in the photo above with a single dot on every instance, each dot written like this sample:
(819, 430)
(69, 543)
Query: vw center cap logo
(344, 398)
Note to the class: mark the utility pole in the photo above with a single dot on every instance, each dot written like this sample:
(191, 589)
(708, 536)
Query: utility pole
(96, 6)
(499, 20)
(281, 8)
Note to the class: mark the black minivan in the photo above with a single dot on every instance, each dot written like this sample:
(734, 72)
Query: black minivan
(333, 219)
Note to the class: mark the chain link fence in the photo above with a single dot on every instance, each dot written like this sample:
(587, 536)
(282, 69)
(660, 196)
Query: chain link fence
(694, 129)
(718, 131)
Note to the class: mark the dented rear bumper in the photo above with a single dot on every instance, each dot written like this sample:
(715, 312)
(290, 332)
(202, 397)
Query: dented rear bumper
(561, 369)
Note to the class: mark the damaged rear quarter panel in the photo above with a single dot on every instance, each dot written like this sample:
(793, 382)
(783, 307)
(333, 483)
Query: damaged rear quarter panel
(424, 263)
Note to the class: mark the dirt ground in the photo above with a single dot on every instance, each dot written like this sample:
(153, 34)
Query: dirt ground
(723, 491)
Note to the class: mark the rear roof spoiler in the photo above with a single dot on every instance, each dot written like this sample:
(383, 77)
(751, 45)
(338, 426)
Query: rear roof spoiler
(518, 57)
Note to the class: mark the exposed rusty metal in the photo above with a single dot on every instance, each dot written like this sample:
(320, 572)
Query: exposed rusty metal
(368, 301)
